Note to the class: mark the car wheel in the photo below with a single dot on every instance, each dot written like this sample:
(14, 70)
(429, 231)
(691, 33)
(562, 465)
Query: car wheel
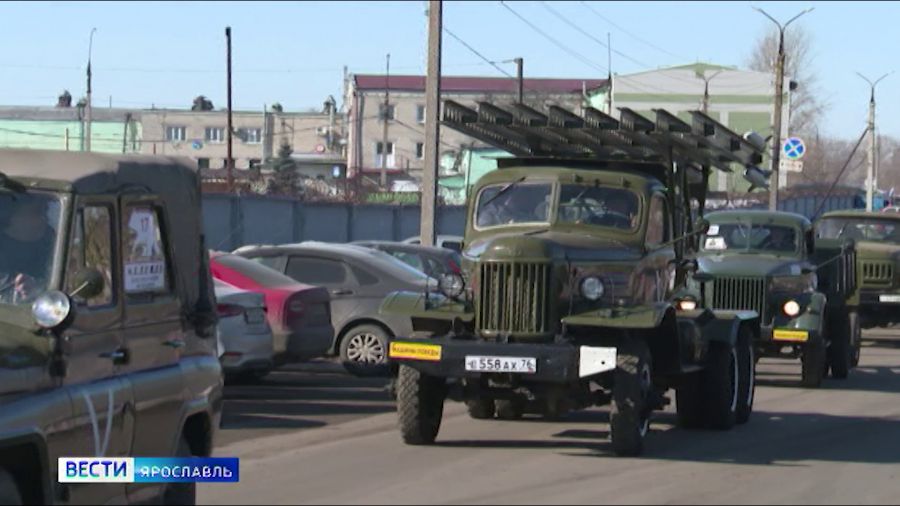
(814, 363)
(481, 409)
(857, 338)
(364, 351)
(629, 417)
(747, 374)
(181, 493)
(840, 358)
(420, 406)
(721, 386)
(513, 409)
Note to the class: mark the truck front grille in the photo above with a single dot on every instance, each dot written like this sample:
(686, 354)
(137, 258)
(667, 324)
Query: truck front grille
(740, 294)
(877, 273)
(514, 298)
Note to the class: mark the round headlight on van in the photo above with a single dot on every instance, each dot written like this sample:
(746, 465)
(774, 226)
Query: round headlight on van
(791, 308)
(451, 285)
(592, 288)
(51, 309)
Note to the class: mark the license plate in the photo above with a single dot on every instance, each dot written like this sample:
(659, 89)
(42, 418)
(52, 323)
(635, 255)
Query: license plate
(255, 317)
(800, 336)
(414, 351)
(515, 365)
(894, 299)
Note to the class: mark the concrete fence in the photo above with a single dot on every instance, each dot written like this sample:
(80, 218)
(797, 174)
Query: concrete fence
(231, 222)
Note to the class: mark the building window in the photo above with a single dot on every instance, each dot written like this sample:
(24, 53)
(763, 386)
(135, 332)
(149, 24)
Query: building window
(203, 163)
(255, 163)
(390, 111)
(176, 134)
(420, 151)
(215, 134)
(250, 135)
(379, 155)
(420, 114)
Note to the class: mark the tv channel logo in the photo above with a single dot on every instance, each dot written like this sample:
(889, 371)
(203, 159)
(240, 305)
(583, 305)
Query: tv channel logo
(148, 470)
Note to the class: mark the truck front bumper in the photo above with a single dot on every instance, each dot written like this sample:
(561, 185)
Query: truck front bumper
(453, 358)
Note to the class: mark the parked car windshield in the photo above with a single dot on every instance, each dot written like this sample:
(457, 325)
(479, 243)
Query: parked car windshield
(265, 276)
(598, 205)
(868, 230)
(29, 226)
(510, 203)
(750, 237)
(398, 269)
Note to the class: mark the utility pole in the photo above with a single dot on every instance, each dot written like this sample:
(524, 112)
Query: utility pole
(384, 117)
(432, 125)
(871, 177)
(520, 79)
(125, 133)
(230, 162)
(87, 126)
(779, 103)
(609, 78)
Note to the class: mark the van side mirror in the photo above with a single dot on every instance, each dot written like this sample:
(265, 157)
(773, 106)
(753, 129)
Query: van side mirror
(89, 283)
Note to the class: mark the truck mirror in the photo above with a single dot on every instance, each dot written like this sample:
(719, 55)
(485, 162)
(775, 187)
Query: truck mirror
(89, 283)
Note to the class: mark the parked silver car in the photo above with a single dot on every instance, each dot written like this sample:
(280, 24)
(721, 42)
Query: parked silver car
(244, 337)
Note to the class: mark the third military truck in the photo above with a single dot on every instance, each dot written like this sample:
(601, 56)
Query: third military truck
(574, 251)
(803, 288)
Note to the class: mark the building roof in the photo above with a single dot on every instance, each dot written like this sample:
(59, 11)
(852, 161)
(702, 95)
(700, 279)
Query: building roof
(468, 84)
(33, 113)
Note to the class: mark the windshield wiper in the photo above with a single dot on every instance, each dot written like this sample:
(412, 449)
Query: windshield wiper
(8, 184)
(503, 190)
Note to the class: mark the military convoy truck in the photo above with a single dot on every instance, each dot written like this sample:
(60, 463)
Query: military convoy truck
(877, 237)
(804, 288)
(107, 322)
(574, 250)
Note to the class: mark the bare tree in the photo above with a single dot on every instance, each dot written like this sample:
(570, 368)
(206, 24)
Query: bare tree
(807, 106)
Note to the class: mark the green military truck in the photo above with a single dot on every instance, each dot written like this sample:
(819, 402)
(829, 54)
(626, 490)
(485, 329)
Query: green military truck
(803, 288)
(107, 322)
(573, 252)
(877, 237)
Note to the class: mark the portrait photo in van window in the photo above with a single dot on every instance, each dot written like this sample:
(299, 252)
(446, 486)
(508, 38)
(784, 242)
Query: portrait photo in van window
(145, 256)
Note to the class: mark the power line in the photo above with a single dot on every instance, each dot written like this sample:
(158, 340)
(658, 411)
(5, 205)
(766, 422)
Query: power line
(654, 46)
(558, 44)
(486, 59)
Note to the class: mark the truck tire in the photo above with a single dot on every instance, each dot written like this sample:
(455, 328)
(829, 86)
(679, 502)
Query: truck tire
(746, 375)
(814, 362)
(856, 346)
(720, 385)
(629, 417)
(481, 409)
(420, 406)
(181, 493)
(688, 404)
(364, 351)
(839, 353)
(510, 409)
(9, 491)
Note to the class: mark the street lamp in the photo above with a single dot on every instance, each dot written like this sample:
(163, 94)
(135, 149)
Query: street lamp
(871, 176)
(706, 80)
(87, 129)
(779, 99)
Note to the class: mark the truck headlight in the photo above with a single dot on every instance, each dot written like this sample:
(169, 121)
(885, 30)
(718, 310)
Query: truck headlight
(451, 285)
(51, 309)
(791, 308)
(592, 288)
(686, 305)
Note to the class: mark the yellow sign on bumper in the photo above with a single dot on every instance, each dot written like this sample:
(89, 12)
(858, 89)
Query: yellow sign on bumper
(798, 336)
(412, 351)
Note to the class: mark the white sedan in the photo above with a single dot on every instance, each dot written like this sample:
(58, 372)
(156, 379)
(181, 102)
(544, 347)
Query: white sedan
(244, 338)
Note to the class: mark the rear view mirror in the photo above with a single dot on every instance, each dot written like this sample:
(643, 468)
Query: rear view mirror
(89, 283)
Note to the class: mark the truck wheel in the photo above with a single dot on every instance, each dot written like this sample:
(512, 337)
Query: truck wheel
(815, 361)
(181, 493)
(481, 409)
(839, 359)
(9, 491)
(510, 409)
(721, 386)
(856, 347)
(746, 375)
(364, 351)
(420, 406)
(629, 418)
(688, 403)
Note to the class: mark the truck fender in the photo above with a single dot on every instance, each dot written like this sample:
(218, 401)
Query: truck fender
(437, 317)
(721, 326)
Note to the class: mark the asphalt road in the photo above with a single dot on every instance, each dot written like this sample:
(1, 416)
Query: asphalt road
(322, 437)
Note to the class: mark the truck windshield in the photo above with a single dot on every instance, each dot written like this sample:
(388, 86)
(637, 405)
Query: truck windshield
(598, 205)
(750, 237)
(868, 230)
(514, 203)
(29, 223)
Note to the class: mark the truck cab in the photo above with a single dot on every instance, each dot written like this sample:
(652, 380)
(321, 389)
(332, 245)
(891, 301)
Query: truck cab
(107, 322)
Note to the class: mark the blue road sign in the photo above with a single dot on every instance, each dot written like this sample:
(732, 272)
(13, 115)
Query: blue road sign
(794, 148)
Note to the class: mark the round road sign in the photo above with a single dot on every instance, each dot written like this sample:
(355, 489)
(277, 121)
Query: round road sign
(794, 148)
